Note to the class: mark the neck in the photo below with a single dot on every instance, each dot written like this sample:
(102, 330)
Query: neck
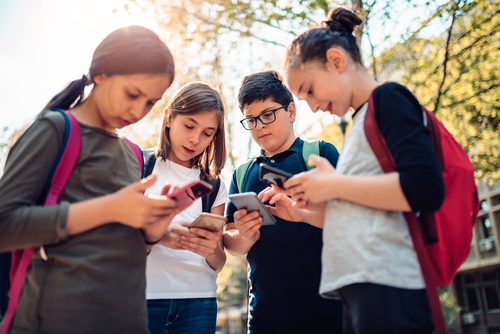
(364, 86)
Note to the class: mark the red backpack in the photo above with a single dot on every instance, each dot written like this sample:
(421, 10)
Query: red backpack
(441, 239)
(56, 182)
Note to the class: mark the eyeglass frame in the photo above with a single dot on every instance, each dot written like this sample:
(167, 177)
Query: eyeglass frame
(257, 118)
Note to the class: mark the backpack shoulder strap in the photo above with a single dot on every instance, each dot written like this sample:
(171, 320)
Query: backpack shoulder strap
(149, 162)
(380, 149)
(61, 171)
(308, 148)
(208, 201)
(241, 172)
(137, 152)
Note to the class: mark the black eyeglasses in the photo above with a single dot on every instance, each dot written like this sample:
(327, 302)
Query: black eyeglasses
(266, 117)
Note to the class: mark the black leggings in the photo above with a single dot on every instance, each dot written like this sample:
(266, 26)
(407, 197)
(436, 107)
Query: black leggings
(372, 308)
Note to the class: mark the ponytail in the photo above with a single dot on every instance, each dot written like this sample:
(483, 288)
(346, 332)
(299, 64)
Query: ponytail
(71, 96)
(125, 51)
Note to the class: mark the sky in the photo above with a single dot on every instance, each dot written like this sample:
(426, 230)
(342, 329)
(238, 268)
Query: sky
(45, 44)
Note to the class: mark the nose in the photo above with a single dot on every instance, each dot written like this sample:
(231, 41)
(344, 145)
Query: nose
(139, 110)
(195, 139)
(314, 107)
(260, 125)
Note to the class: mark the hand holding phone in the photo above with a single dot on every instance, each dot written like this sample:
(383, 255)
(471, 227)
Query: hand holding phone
(273, 175)
(250, 202)
(209, 221)
(187, 194)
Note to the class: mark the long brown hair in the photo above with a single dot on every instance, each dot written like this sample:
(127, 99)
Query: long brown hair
(195, 98)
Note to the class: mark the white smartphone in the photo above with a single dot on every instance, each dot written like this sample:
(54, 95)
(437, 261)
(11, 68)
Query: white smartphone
(251, 202)
(209, 221)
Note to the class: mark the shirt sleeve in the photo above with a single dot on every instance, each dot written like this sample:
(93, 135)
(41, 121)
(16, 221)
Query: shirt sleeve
(330, 152)
(24, 221)
(400, 120)
(222, 197)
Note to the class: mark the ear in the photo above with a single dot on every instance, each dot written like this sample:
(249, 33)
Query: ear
(98, 78)
(336, 59)
(292, 110)
(168, 118)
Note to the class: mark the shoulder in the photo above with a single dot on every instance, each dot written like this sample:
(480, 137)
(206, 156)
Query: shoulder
(49, 124)
(392, 93)
(55, 118)
(329, 151)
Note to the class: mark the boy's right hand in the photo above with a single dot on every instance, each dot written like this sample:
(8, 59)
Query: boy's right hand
(248, 224)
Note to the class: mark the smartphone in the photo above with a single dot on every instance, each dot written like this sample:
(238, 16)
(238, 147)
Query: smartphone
(251, 202)
(273, 175)
(209, 221)
(186, 195)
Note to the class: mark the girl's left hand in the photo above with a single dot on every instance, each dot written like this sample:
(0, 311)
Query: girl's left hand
(200, 241)
(315, 185)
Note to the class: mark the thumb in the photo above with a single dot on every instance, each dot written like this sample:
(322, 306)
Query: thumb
(146, 182)
(314, 160)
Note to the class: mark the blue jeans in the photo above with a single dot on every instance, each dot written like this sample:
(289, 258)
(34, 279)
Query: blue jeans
(372, 308)
(192, 315)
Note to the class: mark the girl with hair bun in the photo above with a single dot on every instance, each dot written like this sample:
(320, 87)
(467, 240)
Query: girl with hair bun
(368, 259)
(88, 273)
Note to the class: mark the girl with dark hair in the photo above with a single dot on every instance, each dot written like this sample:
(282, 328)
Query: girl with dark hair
(368, 259)
(182, 269)
(88, 276)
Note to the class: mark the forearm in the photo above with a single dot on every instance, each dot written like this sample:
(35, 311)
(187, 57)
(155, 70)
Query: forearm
(380, 191)
(86, 215)
(235, 243)
(315, 218)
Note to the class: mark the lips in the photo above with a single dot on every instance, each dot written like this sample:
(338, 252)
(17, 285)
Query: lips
(264, 135)
(125, 122)
(187, 150)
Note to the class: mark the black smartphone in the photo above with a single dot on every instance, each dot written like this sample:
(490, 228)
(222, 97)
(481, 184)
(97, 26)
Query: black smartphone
(273, 175)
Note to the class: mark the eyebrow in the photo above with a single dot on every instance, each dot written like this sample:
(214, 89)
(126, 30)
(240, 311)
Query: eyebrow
(263, 111)
(141, 93)
(300, 88)
(194, 121)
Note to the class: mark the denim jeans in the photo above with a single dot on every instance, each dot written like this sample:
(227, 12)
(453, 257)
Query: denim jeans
(192, 315)
(372, 308)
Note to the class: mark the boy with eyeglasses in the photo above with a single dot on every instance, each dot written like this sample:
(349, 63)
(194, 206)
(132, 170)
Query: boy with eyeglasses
(284, 259)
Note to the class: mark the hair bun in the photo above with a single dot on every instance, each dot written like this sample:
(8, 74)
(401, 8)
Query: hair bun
(342, 20)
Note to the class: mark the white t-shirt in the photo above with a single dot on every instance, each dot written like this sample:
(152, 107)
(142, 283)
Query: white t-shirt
(174, 274)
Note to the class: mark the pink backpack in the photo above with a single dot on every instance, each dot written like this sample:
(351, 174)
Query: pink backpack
(62, 169)
(441, 239)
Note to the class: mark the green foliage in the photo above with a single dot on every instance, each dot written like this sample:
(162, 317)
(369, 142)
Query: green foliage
(456, 74)
(232, 283)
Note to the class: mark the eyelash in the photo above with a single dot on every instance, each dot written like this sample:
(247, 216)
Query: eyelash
(192, 127)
